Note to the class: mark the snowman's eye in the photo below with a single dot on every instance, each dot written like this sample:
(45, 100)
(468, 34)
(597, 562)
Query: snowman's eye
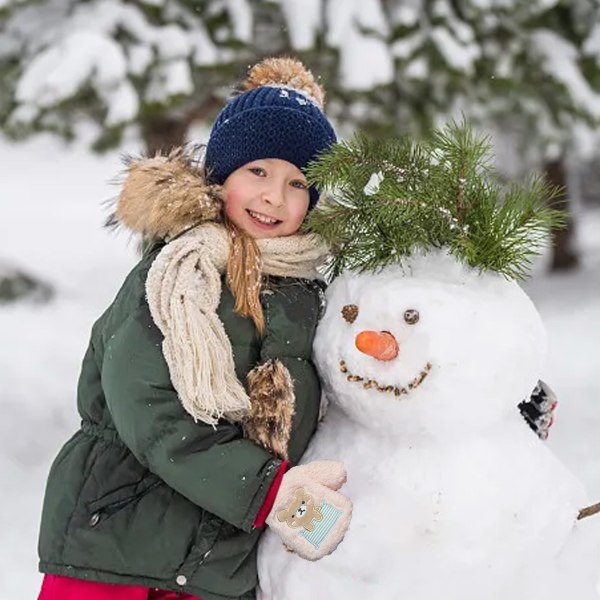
(411, 316)
(350, 312)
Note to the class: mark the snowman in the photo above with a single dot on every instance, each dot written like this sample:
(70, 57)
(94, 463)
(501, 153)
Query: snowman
(424, 352)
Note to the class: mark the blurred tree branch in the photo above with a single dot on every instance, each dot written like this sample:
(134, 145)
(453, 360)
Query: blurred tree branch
(390, 67)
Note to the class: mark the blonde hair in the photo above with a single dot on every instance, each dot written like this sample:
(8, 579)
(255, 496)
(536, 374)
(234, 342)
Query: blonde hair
(244, 275)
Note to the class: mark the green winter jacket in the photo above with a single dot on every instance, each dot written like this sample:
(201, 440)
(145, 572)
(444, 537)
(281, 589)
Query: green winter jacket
(144, 495)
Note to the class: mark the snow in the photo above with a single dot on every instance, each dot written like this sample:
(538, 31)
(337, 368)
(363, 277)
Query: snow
(172, 42)
(241, 15)
(50, 224)
(139, 58)
(304, 20)
(373, 184)
(57, 73)
(71, 48)
(459, 56)
(405, 47)
(453, 39)
(408, 13)
(122, 103)
(205, 52)
(365, 61)
(169, 79)
(592, 44)
(559, 59)
(417, 69)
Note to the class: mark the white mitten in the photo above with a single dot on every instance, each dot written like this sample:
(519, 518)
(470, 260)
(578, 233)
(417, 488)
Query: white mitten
(309, 514)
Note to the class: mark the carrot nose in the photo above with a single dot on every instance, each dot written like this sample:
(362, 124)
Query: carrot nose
(381, 345)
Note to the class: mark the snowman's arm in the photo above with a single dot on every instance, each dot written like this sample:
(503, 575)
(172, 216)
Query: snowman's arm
(538, 409)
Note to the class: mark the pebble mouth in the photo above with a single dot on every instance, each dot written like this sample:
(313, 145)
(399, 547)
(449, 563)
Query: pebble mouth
(397, 390)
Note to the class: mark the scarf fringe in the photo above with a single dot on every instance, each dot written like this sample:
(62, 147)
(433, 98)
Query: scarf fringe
(183, 291)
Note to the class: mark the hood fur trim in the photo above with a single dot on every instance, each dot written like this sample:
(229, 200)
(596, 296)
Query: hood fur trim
(165, 195)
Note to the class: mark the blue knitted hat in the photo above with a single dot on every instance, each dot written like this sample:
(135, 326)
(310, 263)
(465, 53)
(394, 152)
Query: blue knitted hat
(280, 115)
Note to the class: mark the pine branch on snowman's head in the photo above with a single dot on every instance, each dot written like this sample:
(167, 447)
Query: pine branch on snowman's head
(390, 199)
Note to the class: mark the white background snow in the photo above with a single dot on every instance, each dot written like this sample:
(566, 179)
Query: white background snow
(50, 224)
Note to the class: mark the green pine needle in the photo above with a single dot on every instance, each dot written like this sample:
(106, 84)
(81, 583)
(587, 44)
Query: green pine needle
(387, 199)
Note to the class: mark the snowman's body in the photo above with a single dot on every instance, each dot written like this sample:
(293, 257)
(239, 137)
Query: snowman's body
(453, 495)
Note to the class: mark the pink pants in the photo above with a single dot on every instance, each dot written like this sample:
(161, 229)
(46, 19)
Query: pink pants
(56, 587)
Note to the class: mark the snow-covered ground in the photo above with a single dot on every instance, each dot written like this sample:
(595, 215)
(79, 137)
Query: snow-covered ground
(50, 224)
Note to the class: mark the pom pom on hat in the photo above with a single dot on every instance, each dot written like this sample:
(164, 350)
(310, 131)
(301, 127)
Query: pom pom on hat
(285, 72)
(278, 114)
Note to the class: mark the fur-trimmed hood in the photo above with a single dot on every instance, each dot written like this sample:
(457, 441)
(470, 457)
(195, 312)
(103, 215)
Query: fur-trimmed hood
(165, 195)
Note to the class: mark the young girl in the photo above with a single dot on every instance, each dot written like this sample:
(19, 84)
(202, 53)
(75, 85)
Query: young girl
(178, 466)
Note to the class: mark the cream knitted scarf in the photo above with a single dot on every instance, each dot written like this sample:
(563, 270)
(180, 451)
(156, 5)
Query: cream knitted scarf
(183, 291)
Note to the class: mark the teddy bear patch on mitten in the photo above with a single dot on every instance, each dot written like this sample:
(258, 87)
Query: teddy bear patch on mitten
(309, 514)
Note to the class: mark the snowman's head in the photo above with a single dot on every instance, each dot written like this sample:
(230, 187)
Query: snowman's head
(432, 346)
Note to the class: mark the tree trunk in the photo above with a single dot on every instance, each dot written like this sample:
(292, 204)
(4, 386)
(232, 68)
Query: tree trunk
(164, 132)
(564, 253)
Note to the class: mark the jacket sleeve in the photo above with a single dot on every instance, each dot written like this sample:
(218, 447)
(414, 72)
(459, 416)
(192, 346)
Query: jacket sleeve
(211, 466)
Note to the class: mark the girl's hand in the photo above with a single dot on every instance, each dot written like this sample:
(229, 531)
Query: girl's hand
(309, 514)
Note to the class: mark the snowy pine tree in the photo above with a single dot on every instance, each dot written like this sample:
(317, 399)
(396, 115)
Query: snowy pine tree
(530, 67)
(398, 66)
(545, 86)
(390, 67)
(154, 63)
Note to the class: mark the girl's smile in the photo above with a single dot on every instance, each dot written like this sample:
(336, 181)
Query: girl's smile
(267, 198)
(262, 219)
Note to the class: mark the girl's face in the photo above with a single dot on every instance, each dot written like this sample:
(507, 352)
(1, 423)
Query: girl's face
(267, 198)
